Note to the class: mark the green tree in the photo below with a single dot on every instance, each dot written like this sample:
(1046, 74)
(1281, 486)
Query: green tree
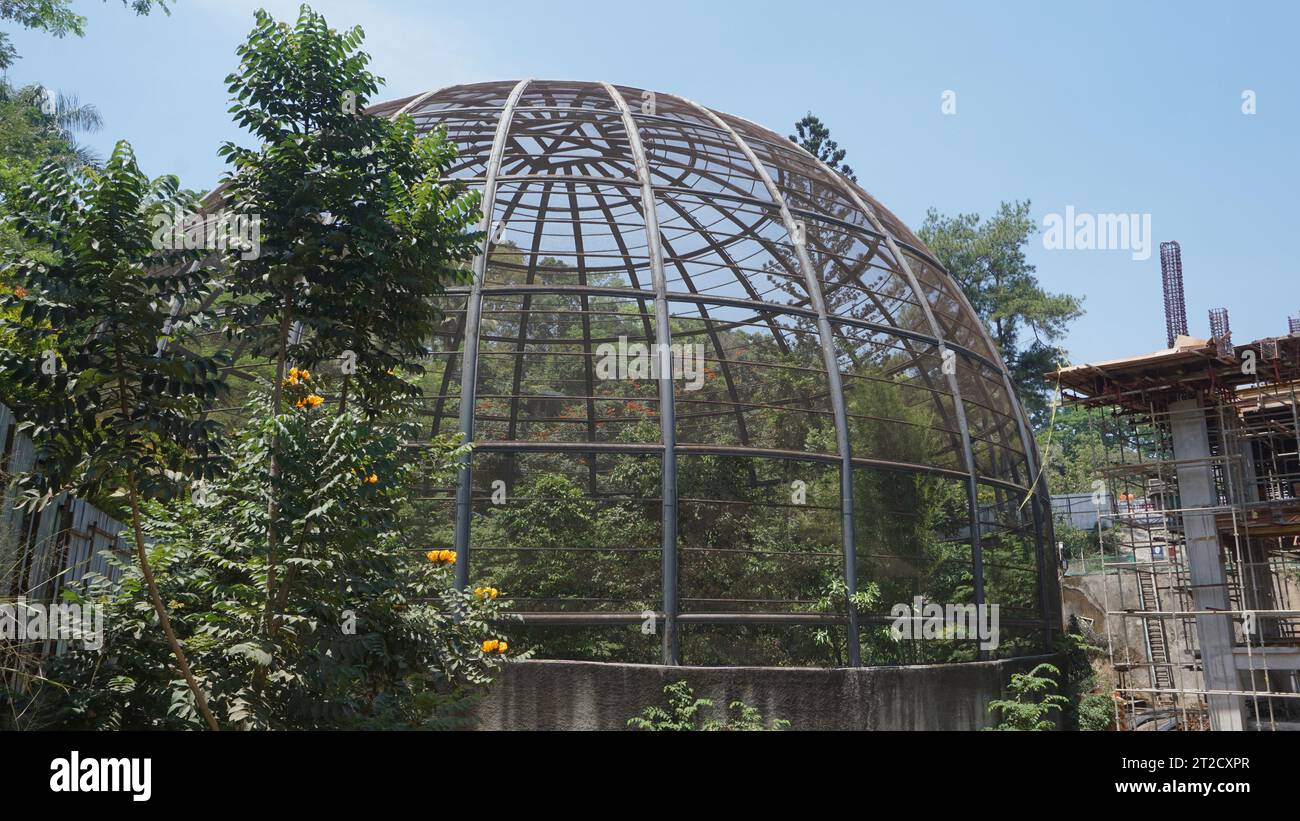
(358, 233)
(59, 116)
(1073, 451)
(27, 142)
(813, 135)
(118, 394)
(32, 135)
(987, 259)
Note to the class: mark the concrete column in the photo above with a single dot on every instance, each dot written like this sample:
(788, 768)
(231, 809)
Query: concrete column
(1204, 560)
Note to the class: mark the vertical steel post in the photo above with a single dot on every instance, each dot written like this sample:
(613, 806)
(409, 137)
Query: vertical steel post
(831, 360)
(469, 359)
(963, 428)
(667, 410)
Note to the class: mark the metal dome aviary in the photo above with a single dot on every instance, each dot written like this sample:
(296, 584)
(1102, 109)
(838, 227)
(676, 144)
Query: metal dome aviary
(849, 441)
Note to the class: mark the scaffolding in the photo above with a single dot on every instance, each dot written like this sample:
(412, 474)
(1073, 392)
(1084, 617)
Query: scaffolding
(1199, 540)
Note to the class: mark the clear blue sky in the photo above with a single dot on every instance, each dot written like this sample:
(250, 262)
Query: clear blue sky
(1114, 107)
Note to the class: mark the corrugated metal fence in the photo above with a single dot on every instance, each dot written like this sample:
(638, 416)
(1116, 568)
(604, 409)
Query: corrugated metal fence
(42, 553)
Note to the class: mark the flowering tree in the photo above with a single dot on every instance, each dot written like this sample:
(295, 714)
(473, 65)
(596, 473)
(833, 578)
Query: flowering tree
(298, 590)
(367, 628)
(358, 231)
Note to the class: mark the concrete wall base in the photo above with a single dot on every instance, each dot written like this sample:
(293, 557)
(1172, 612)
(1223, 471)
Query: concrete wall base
(577, 695)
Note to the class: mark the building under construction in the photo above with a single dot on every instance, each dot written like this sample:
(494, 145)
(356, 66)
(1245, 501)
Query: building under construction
(1200, 526)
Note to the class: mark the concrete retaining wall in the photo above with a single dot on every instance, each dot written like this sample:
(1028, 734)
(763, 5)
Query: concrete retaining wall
(576, 695)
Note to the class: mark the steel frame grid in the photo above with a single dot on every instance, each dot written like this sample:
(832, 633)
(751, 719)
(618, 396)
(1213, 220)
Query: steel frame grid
(691, 216)
(597, 167)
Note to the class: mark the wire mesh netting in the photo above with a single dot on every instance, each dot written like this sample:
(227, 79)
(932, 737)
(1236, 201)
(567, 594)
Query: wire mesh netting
(831, 418)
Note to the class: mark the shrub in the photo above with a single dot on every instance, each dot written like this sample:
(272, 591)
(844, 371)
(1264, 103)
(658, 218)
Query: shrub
(686, 712)
(1033, 702)
(1096, 713)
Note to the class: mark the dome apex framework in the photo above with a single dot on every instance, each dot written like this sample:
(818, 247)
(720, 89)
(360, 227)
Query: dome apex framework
(840, 362)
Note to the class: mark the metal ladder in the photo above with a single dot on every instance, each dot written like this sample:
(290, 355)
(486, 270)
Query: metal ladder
(1154, 629)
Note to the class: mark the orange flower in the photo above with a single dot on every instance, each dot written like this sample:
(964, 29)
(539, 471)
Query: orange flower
(449, 556)
(502, 647)
(372, 479)
(490, 645)
(432, 555)
(20, 292)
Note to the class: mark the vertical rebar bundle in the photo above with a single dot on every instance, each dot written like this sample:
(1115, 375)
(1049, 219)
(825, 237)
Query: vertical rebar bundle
(1221, 331)
(1171, 274)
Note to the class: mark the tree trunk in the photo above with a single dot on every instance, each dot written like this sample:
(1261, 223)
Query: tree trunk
(200, 701)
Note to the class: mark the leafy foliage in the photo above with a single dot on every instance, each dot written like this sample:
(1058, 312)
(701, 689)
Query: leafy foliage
(43, 113)
(987, 258)
(685, 712)
(115, 407)
(32, 135)
(1034, 705)
(1073, 451)
(366, 630)
(116, 392)
(1084, 709)
(26, 145)
(359, 232)
(835, 599)
(1096, 713)
(813, 135)
(298, 592)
